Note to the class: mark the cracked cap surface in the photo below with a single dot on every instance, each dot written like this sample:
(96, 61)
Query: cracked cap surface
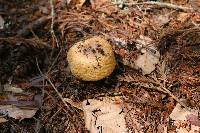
(92, 59)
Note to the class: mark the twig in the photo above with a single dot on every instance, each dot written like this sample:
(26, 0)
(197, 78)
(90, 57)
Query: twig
(175, 98)
(74, 104)
(162, 4)
(55, 60)
(162, 87)
(52, 23)
(162, 70)
(55, 114)
(47, 78)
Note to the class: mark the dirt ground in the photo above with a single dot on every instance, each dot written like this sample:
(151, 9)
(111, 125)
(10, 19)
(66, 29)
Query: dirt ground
(36, 35)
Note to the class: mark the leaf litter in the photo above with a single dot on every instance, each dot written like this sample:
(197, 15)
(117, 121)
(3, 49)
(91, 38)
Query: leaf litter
(156, 46)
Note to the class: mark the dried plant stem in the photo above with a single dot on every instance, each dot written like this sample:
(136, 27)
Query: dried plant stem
(60, 96)
(52, 23)
(175, 98)
(162, 4)
(56, 90)
(162, 87)
(54, 62)
(162, 70)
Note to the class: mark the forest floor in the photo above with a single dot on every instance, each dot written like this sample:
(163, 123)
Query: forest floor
(38, 93)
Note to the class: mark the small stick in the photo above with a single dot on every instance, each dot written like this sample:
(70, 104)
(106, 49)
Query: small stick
(46, 77)
(162, 4)
(52, 23)
(166, 89)
(50, 68)
(175, 98)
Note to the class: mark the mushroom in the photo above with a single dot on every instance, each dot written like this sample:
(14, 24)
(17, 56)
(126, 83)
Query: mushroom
(92, 59)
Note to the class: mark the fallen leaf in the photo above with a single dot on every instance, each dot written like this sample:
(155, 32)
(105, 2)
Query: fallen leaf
(183, 118)
(80, 3)
(149, 56)
(194, 120)
(194, 129)
(17, 113)
(161, 20)
(2, 120)
(147, 61)
(13, 89)
(183, 17)
(182, 114)
(104, 116)
(182, 130)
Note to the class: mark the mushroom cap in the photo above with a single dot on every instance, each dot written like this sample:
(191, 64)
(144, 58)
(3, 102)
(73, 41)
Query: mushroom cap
(92, 59)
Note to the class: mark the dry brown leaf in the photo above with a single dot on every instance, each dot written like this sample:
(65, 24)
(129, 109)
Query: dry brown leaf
(183, 17)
